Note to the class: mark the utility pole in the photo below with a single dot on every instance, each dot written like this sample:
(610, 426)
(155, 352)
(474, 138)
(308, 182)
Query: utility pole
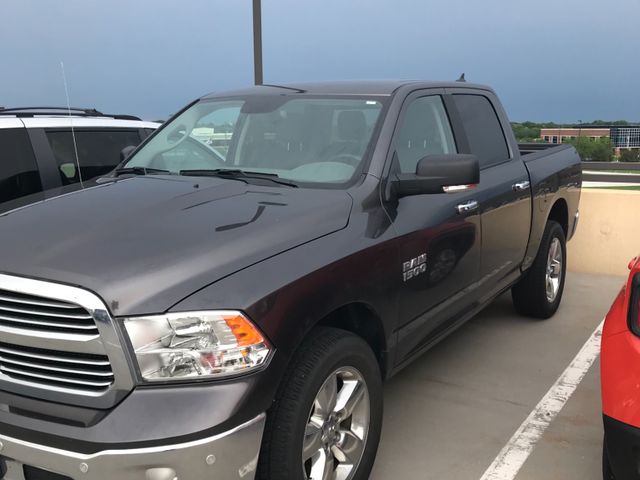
(257, 41)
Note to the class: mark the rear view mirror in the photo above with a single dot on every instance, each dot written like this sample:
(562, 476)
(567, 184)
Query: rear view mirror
(126, 152)
(436, 172)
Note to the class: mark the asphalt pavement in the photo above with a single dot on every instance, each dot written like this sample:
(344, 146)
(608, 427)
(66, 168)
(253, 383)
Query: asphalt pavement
(449, 414)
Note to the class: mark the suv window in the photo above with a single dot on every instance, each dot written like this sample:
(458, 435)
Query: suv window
(483, 129)
(18, 169)
(425, 130)
(98, 151)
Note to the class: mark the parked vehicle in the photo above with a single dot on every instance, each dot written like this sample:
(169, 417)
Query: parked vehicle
(38, 154)
(231, 312)
(619, 364)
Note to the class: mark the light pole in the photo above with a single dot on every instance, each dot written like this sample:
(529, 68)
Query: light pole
(257, 42)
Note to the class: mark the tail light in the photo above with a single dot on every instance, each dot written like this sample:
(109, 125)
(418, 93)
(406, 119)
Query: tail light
(634, 305)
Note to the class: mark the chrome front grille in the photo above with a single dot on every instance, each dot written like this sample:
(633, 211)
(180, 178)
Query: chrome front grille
(60, 343)
(37, 313)
(57, 369)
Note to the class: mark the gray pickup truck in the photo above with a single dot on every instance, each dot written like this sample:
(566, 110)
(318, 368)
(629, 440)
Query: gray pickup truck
(227, 302)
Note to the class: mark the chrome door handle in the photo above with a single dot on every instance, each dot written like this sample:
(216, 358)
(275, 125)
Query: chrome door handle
(467, 207)
(518, 187)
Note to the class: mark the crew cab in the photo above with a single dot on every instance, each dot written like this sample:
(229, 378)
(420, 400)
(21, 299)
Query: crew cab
(47, 151)
(620, 356)
(229, 306)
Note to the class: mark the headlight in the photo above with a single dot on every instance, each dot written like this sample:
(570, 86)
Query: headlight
(196, 345)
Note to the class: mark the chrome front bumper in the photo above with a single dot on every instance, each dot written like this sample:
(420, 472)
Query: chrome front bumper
(229, 455)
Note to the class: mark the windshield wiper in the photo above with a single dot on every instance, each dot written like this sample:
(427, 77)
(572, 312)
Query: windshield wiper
(237, 174)
(139, 171)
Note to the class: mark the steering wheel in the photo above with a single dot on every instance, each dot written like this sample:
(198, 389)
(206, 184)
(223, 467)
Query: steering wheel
(348, 158)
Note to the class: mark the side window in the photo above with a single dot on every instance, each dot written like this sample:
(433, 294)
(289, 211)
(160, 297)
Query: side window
(98, 151)
(19, 174)
(425, 130)
(483, 129)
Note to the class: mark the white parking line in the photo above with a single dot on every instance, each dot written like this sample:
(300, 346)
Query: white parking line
(509, 461)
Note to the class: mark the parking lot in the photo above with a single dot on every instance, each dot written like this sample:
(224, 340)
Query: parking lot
(448, 415)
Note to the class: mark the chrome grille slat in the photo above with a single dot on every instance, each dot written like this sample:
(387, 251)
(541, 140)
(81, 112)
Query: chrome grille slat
(51, 378)
(43, 323)
(51, 342)
(89, 373)
(5, 297)
(55, 358)
(43, 313)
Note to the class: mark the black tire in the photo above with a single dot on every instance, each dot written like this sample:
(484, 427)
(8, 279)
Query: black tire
(325, 351)
(607, 473)
(529, 294)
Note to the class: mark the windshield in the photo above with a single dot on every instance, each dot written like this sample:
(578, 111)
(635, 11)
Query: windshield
(306, 140)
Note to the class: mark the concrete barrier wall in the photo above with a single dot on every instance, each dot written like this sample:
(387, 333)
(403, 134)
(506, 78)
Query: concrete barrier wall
(608, 234)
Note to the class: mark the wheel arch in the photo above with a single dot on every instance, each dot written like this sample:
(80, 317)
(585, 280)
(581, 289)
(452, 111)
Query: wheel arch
(560, 213)
(362, 320)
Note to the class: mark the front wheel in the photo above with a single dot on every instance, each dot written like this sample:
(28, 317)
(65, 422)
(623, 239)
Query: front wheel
(325, 423)
(539, 292)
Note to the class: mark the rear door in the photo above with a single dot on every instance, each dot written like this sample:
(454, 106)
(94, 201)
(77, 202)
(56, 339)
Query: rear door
(505, 193)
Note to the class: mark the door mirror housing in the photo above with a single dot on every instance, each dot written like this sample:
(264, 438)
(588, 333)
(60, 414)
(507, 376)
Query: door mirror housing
(434, 173)
(126, 152)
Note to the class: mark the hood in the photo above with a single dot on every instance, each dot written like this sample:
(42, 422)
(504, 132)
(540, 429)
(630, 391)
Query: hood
(145, 243)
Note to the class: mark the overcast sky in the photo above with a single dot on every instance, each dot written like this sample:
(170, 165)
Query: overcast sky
(551, 60)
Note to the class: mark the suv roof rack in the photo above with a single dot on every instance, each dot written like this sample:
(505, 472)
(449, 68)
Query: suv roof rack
(76, 112)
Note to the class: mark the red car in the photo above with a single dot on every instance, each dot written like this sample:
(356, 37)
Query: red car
(620, 377)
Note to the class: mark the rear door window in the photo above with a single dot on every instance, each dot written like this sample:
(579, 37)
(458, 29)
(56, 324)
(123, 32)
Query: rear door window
(19, 174)
(482, 126)
(98, 151)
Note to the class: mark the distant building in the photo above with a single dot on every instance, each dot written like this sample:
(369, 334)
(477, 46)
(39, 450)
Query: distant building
(622, 136)
(626, 137)
(560, 135)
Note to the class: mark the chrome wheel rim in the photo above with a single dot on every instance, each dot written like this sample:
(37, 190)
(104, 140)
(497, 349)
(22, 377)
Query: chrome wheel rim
(554, 270)
(338, 426)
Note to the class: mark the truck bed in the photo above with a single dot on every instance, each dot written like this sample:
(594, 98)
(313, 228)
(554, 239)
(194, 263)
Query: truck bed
(530, 148)
(555, 172)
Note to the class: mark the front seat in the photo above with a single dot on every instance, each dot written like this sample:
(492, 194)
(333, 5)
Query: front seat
(352, 130)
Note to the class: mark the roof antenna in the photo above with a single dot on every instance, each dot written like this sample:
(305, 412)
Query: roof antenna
(73, 132)
(461, 79)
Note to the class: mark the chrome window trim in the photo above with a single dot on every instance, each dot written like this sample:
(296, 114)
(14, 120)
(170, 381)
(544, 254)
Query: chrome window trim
(107, 342)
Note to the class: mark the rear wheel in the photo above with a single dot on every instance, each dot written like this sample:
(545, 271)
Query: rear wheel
(325, 423)
(539, 292)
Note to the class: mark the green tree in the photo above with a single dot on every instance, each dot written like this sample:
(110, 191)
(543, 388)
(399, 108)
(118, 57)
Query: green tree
(602, 150)
(593, 150)
(630, 156)
(526, 132)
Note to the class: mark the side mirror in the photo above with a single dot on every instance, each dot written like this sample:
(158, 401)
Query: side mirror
(126, 152)
(435, 172)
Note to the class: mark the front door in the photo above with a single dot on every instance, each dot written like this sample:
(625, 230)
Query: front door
(438, 238)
